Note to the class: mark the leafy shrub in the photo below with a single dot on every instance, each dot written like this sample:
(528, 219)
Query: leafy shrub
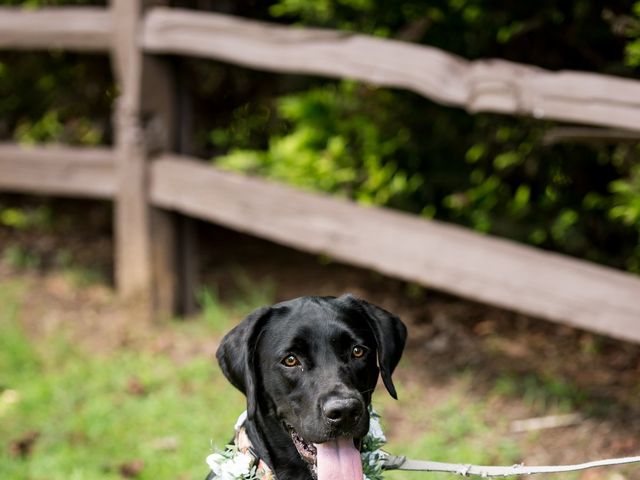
(496, 174)
(632, 31)
(364, 143)
(331, 144)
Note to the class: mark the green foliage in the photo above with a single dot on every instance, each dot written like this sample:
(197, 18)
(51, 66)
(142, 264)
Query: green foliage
(332, 145)
(632, 31)
(386, 147)
(34, 219)
(370, 145)
(494, 174)
(26, 218)
(556, 197)
(344, 14)
(627, 198)
(20, 258)
(39, 95)
(54, 96)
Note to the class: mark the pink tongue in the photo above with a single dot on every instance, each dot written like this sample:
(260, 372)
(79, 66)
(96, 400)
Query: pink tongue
(339, 459)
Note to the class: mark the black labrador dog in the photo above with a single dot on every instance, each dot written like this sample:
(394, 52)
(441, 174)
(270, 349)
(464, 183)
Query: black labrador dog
(308, 368)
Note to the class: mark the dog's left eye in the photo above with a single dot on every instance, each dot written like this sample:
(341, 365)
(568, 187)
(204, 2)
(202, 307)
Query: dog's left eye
(358, 351)
(290, 361)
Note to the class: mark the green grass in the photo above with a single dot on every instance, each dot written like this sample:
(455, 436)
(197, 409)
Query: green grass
(20, 258)
(89, 421)
(542, 391)
(95, 413)
(453, 430)
(220, 315)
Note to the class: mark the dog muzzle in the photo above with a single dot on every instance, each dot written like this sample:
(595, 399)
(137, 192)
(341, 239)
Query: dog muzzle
(335, 459)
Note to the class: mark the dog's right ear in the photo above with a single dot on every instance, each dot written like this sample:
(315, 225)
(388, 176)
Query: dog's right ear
(236, 358)
(235, 354)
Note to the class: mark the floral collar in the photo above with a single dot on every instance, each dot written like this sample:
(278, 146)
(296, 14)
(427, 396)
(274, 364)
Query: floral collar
(238, 462)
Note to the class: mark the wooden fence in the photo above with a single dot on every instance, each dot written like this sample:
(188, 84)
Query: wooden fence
(147, 180)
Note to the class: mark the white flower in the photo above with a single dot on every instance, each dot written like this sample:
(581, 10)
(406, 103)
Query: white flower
(238, 466)
(235, 467)
(215, 460)
(375, 429)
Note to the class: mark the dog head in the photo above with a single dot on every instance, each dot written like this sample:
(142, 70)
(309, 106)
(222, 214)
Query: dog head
(313, 363)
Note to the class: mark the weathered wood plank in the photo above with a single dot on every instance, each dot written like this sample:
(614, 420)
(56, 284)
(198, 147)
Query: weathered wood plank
(144, 118)
(437, 255)
(67, 171)
(133, 263)
(158, 98)
(483, 85)
(301, 50)
(71, 28)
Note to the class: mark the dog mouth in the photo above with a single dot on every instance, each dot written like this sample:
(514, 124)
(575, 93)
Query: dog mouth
(306, 450)
(336, 459)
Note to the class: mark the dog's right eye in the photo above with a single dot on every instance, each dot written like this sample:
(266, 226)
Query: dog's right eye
(290, 361)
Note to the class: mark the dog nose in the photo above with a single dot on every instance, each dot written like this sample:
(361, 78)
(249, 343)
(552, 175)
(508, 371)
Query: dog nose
(343, 412)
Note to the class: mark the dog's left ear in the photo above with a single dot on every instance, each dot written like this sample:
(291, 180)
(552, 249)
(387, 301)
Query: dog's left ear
(235, 354)
(390, 334)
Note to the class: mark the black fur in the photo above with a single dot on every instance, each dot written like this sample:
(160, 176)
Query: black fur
(325, 394)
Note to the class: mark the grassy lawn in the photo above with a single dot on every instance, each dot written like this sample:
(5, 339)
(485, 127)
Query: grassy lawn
(125, 413)
(66, 413)
(146, 410)
(82, 397)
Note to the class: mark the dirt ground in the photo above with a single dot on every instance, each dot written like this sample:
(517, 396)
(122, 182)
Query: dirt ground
(548, 364)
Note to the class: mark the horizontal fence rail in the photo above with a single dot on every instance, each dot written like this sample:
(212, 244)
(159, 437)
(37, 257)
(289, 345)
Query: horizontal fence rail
(66, 171)
(73, 28)
(479, 86)
(446, 257)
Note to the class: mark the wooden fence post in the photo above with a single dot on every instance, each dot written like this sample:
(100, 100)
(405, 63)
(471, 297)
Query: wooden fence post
(145, 242)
